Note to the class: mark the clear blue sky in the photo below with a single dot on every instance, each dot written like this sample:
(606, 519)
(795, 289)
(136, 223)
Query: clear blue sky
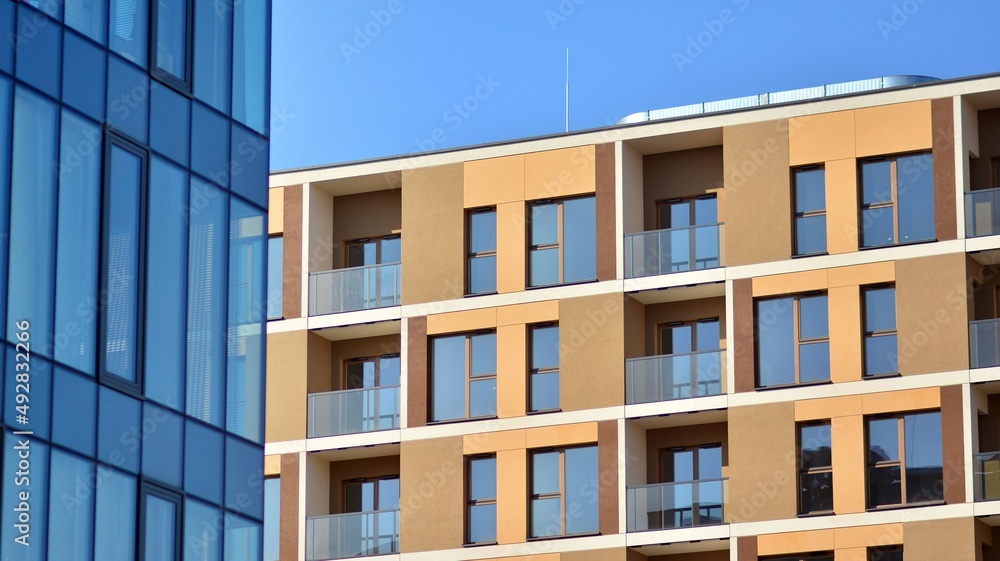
(352, 80)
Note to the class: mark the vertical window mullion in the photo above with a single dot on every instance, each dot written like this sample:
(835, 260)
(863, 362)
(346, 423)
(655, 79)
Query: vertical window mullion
(894, 189)
(559, 241)
(562, 488)
(468, 376)
(902, 459)
(797, 330)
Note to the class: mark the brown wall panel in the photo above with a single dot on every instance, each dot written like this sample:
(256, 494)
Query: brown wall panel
(364, 215)
(433, 234)
(607, 468)
(942, 119)
(762, 466)
(758, 193)
(680, 174)
(417, 391)
(952, 539)
(291, 286)
(989, 426)
(343, 351)
(432, 491)
(288, 542)
(687, 310)
(746, 548)
(366, 468)
(743, 332)
(585, 364)
(286, 385)
(721, 555)
(318, 363)
(606, 211)
(989, 148)
(932, 315)
(635, 328)
(617, 554)
(953, 437)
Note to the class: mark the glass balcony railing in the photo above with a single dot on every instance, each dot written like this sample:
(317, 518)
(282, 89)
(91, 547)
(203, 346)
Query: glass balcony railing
(984, 343)
(678, 376)
(357, 288)
(982, 213)
(986, 483)
(673, 251)
(353, 411)
(664, 506)
(360, 534)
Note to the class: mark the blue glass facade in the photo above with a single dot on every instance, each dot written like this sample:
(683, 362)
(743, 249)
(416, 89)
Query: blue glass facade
(133, 247)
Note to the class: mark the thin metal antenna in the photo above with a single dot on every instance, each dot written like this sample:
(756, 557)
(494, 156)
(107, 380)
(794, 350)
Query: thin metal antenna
(567, 89)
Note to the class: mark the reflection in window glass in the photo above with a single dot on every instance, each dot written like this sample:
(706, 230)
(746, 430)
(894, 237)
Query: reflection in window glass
(37, 488)
(581, 490)
(171, 37)
(815, 469)
(272, 518)
(84, 73)
(915, 186)
(250, 63)
(87, 17)
(881, 351)
(74, 408)
(275, 277)
(128, 99)
(482, 501)
(70, 511)
(170, 124)
(544, 368)
(201, 532)
(551, 512)
(243, 539)
(162, 451)
(212, 48)
(793, 344)
(580, 239)
(482, 252)
(463, 376)
(203, 461)
(114, 536)
(160, 528)
(118, 416)
(244, 474)
(897, 200)
(810, 211)
(905, 462)
(38, 58)
(127, 27)
(563, 242)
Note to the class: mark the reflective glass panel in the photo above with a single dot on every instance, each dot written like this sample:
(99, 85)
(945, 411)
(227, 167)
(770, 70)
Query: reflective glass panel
(203, 461)
(169, 124)
(202, 531)
(810, 234)
(74, 412)
(38, 57)
(776, 342)
(880, 309)
(127, 29)
(579, 239)
(581, 490)
(84, 76)
(924, 457)
(810, 190)
(242, 539)
(483, 231)
(484, 354)
(545, 347)
(915, 185)
(37, 487)
(272, 518)
(162, 450)
(275, 260)
(814, 322)
(171, 37)
(545, 472)
(245, 476)
(71, 511)
(212, 52)
(160, 529)
(250, 28)
(87, 17)
(128, 97)
(114, 537)
(448, 378)
(119, 428)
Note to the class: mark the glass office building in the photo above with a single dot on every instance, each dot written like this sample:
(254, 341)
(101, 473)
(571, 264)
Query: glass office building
(133, 238)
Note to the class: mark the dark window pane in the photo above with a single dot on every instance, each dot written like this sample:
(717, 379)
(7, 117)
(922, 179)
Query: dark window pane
(210, 144)
(114, 538)
(127, 29)
(272, 518)
(483, 275)
(877, 225)
(881, 355)
(883, 440)
(166, 284)
(484, 354)
(448, 378)
(250, 27)
(887, 554)
(544, 391)
(581, 490)
(483, 398)
(74, 408)
(212, 48)
(244, 476)
(160, 529)
(171, 37)
(162, 451)
(7, 19)
(876, 182)
(84, 76)
(128, 99)
(776, 342)
(580, 239)
(546, 517)
(70, 510)
(78, 243)
(169, 126)
(243, 539)
(880, 309)
(924, 472)
(275, 277)
(816, 492)
(38, 51)
(482, 231)
(810, 234)
(915, 184)
(814, 441)
(483, 478)
(38, 490)
(203, 461)
(122, 264)
(884, 486)
(6, 95)
(814, 362)
(119, 428)
(359, 497)
(544, 224)
(544, 267)
(810, 190)
(483, 523)
(201, 532)
(248, 167)
(814, 317)
(544, 472)
(87, 17)
(41, 387)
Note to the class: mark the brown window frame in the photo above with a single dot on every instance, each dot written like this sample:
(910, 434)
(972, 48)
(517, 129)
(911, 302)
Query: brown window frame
(893, 159)
(873, 334)
(812, 470)
(560, 243)
(995, 172)
(470, 502)
(375, 497)
(874, 552)
(469, 378)
(806, 214)
(561, 494)
(532, 372)
(472, 255)
(796, 332)
(661, 327)
(900, 463)
(361, 241)
(376, 360)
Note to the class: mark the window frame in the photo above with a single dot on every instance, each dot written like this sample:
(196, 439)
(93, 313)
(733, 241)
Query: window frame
(376, 360)
(692, 211)
(669, 325)
(559, 244)
(376, 492)
(136, 388)
(797, 215)
(470, 255)
(532, 372)
(147, 488)
(184, 84)
(815, 470)
(470, 502)
(469, 378)
(798, 341)
(561, 494)
(893, 203)
(378, 250)
(871, 334)
(995, 171)
(875, 553)
(901, 451)
(280, 287)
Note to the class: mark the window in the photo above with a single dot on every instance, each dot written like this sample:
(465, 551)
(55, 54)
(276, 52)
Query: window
(904, 459)
(806, 557)
(897, 200)
(160, 521)
(695, 366)
(172, 41)
(696, 493)
(275, 278)
(372, 410)
(563, 500)
(881, 351)
(886, 553)
(122, 277)
(544, 375)
(464, 376)
(373, 251)
(563, 242)
(793, 340)
(815, 469)
(693, 242)
(810, 210)
(367, 372)
(482, 269)
(481, 504)
(377, 533)
(128, 29)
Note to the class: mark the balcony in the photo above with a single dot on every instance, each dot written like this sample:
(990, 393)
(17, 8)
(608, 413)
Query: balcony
(676, 250)
(345, 536)
(353, 411)
(677, 376)
(355, 288)
(984, 343)
(986, 469)
(982, 213)
(665, 506)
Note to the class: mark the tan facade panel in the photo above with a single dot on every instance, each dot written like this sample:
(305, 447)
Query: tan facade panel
(458, 322)
(845, 333)
(534, 312)
(758, 185)
(680, 174)
(287, 368)
(488, 442)
(899, 401)
(291, 285)
(841, 206)
(584, 364)
(493, 181)
(512, 368)
(814, 139)
(762, 466)
(511, 247)
(869, 536)
(720, 555)
(432, 198)
(827, 408)
(869, 273)
(272, 465)
(795, 542)
(364, 215)
(276, 211)
(559, 173)
(617, 554)
(790, 283)
(893, 129)
(432, 491)
(560, 435)
(932, 315)
(847, 440)
(952, 539)
(943, 118)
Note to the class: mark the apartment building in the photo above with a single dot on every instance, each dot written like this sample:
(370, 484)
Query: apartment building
(759, 329)
(133, 239)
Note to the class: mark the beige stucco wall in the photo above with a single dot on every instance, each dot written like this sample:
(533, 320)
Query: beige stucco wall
(952, 539)
(762, 466)
(432, 508)
(592, 352)
(432, 199)
(286, 381)
(932, 314)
